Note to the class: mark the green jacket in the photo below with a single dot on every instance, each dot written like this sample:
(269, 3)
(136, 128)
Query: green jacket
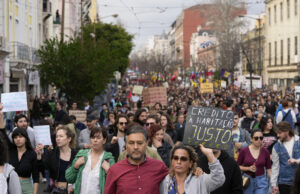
(74, 176)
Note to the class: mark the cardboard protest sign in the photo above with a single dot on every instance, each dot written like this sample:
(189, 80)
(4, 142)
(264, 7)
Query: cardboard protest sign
(207, 88)
(138, 90)
(154, 95)
(42, 134)
(79, 114)
(14, 101)
(211, 127)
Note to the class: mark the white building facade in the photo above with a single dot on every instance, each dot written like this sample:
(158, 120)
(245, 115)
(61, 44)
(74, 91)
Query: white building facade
(282, 33)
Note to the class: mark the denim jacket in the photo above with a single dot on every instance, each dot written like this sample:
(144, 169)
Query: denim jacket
(282, 172)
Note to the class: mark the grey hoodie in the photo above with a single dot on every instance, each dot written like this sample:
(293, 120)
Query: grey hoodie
(204, 184)
(14, 186)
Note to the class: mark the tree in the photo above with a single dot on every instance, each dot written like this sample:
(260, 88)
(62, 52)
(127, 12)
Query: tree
(83, 66)
(228, 29)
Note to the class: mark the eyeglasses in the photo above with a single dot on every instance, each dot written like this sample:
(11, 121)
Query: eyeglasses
(148, 124)
(123, 123)
(256, 138)
(183, 159)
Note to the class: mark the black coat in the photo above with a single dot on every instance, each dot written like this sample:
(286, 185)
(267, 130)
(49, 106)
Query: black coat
(233, 177)
(112, 148)
(51, 162)
(164, 152)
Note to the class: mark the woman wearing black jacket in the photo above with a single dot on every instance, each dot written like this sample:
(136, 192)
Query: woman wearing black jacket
(156, 135)
(59, 159)
(167, 126)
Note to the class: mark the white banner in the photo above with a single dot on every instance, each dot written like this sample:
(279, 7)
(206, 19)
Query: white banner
(42, 134)
(14, 101)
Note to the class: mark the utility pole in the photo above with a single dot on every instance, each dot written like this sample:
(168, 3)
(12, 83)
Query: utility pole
(62, 21)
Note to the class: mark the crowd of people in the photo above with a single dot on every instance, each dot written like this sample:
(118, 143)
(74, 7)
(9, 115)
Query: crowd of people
(128, 147)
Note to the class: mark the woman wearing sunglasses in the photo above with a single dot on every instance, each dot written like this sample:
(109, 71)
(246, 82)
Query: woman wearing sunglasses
(253, 160)
(181, 179)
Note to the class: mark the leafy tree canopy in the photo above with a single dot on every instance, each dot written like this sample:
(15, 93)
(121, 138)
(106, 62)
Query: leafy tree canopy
(82, 66)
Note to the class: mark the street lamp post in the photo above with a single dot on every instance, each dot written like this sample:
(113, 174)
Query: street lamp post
(259, 40)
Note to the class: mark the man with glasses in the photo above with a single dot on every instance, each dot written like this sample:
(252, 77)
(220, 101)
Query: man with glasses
(116, 141)
(153, 119)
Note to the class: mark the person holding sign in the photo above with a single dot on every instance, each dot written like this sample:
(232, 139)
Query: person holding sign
(253, 160)
(181, 179)
(58, 159)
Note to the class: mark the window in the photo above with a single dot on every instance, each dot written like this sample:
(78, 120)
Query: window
(270, 54)
(269, 10)
(288, 8)
(281, 52)
(275, 53)
(296, 45)
(275, 14)
(296, 7)
(288, 51)
(281, 12)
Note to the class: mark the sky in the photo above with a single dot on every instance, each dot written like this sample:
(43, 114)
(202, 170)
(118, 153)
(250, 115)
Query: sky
(145, 18)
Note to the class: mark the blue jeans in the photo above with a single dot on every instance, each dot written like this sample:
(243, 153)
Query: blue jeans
(258, 185)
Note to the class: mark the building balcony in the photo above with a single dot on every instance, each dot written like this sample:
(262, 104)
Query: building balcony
(22, 55)
(47, 9)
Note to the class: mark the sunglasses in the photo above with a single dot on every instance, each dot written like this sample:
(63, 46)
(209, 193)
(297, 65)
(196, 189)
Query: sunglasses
(256, 138)
(148, 124)
(123, 123)
(183, 159)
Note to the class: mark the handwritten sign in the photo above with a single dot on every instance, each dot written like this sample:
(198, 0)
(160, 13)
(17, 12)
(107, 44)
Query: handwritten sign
(207, 88)
(138, 90)
(79, 114)
(211, 127)
(154, 95)
(14, 101)
(42, 134)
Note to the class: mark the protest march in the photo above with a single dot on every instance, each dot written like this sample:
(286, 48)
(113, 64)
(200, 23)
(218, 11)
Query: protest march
(153, 139)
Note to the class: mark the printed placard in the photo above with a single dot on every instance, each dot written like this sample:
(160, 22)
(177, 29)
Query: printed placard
(14, 101)
(42, 134)
(211, 127)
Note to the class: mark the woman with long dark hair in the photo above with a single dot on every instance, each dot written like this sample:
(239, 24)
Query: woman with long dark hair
(254, 160)
(266, 124)
(168, 127)
(24, 159)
